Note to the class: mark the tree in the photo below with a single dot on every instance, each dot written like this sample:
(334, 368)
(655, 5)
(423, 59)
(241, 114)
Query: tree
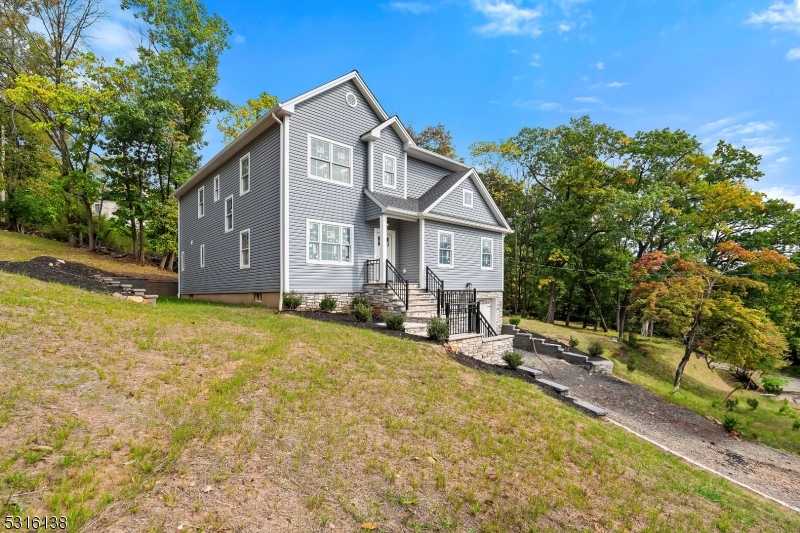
(705, 305)
(238, 118)
(434, 138)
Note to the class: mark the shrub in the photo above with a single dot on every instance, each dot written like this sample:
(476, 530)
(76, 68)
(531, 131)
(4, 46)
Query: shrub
(631, 364)
(796, 425)
(596, 349)
(731, 403)
(573, 342)
(730, 422)
(784, 408)
(513, 359)
(438, 328)
(753, 403)
(359, 300)
(328, 303)
(395, 321)
(515, 320)
(292, 300)
(363, 313)
(773, 385)
(633, 340)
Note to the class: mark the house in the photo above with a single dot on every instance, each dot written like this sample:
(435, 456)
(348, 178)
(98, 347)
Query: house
(328, 194)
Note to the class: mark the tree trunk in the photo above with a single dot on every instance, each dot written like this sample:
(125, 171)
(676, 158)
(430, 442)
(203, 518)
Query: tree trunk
(569, 305)
(70, 238)
(686, 354)
(650, 329)
(80, 238)
(141, 242)
(645, 328)
(551, 308)
(622, 314)
(89, 224)
(163, 262)
(134, 239)
(170, 261)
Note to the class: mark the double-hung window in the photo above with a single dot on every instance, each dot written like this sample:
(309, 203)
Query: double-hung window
(329, 243)
(216, 188)
(329, 161)
(467, 198)
(201, 202)
(487, 246)
(244, 174)
(389, 171)
(445, 249)
(228, 213)
(202, 256)
(244, 248)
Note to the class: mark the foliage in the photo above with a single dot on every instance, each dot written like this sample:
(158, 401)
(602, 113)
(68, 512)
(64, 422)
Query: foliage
(238, 118)
(513, 359)
(753, 403)
(731, 403)
(363, 313)
(434, 138)
(574, 342)
(359, 300)
(395, 321)
(292, 300)
(796, 425)
(515, 320)
(773, 384)
(731, 423)
(438, 328)
(328, 303)
(595, 349)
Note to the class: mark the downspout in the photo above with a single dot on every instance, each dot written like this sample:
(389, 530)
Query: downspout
(282, 209)
(421, 251)
(370, 163)
(405, 175)
(180, 259)
(285, 191)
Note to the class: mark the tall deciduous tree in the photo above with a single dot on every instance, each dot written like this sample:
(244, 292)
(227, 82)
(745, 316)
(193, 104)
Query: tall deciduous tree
(240, 117)
(434, 138)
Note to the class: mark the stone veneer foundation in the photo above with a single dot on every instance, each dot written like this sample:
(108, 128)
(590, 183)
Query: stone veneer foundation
(344, 300)
(489, 350)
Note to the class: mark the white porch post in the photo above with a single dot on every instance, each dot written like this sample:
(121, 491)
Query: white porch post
(421, 252)
(384, 250)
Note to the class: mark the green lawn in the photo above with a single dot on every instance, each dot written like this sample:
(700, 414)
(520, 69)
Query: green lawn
(653, 365)
(234, 418)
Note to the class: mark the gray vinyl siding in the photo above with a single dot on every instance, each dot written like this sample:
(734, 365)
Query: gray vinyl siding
(408, 248)
(389, 144)
(422, 176)
(453, 205)
(328, 115)
(466, 257)
(258, 210)
(372, 210)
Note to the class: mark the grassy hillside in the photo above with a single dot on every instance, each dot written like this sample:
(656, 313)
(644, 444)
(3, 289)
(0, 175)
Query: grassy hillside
(653, 364)
(213, 417)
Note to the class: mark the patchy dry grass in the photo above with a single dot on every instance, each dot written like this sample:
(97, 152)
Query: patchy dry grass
(652, 365)
(223, 418)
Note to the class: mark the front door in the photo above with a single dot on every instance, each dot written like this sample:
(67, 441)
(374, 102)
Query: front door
(390, 240)
(487, 309)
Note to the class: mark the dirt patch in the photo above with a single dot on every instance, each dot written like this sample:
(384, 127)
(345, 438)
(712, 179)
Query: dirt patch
(54, 270)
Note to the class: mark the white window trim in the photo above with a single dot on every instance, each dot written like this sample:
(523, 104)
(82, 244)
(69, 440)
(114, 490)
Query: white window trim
(183, 261)
(383, 173)
(225, 214)
(351, 263)
(216, 188)
(249, 249)
(491, 247)
(464, 194)
(242, 192)
(202, 256)
(329, 180)
(201, 206)
(452, 248)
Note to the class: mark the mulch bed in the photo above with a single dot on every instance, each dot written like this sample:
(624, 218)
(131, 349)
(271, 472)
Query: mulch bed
(350, 320)
(46, 268)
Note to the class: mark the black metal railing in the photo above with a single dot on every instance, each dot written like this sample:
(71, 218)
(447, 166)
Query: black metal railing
(397, 283)
(484, 328)
(458, 297)
(462, 317)
(372, 271)
(433, 283)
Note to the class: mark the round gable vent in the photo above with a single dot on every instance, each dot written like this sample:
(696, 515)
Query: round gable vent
(350, 98)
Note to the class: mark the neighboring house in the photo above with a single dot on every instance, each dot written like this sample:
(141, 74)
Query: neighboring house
(327, 194)
(105, 208)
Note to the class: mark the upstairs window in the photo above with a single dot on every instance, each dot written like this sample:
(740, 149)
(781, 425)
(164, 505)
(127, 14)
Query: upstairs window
(216, 188)
(244, 249)
(329, 161)
(244, 175)
(487, 246)
(329, 243)
(467, 198)
(228, 213)
(389, 171)
(201, 202)
(445, 249)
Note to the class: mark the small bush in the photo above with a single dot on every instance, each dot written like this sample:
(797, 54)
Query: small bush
(363, 313)
(328, 303)
(774, 385)
(438, 328)
(359, 300)
(633, 340)
(730, 422)
(796, 425)
(631, 366)
(513, 359)
(731, 403)
(753, 403)
(784, 408)
(292, 300)
(573, 342)
(596, 349)
(395, 321)
(515, 320)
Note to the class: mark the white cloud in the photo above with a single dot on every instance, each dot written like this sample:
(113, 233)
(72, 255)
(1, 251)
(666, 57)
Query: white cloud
(779, 15)
(564, 27)
(748, 128)
(599, 65)
(515, 51)
(239, 39)
(567, 5)
(415, 8)
(588, 99)
(550, 106)
(617, 84)
(783, 159)
(754, 135)
(790, 195)
(716, 124)
(507, 18)
(113, 36)
(793, 53)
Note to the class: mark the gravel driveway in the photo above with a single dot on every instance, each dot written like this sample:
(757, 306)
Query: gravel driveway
(773, 472)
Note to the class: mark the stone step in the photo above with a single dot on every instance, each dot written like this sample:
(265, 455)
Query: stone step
(530, 371)
(590, 408)
(558, 387)
(509, 329)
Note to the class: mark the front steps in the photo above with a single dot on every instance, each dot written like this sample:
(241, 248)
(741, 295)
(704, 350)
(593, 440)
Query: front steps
(421, 304)
(532, 342)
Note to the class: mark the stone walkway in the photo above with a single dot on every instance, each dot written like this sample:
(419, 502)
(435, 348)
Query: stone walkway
(773, 472)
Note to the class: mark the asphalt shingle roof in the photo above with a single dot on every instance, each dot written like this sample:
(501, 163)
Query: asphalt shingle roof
(439, 188)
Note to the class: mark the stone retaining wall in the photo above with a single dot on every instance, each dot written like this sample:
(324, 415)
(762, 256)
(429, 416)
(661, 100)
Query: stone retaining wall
(489, 350)
(383, 299)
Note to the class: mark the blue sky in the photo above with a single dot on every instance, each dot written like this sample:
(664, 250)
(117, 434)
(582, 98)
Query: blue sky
(487, 68)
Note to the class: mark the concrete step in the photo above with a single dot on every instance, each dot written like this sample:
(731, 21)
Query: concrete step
(417, 328)
(530, 371)
(588, 407)
(558, 387)
(509, 329)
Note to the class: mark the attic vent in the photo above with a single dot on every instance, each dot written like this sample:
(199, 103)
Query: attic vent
(350, 98)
